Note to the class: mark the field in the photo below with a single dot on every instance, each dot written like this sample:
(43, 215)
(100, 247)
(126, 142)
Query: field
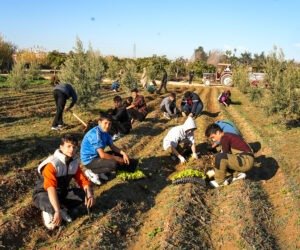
(262, 212)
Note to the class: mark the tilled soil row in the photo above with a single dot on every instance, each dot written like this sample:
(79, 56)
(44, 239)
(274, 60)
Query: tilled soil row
(119, 228)
(40, 232)
(271, 208)
(160, 225)
(225, 204)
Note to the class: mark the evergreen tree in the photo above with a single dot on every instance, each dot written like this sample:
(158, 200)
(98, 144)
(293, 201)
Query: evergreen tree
(17, 77)
(33, 73)
(83, 69)
(129, 78)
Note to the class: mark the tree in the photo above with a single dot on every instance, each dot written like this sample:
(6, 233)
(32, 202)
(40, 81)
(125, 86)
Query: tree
(177, 68)
(240, 77)
(258, 62)
(284, 79)
(17, 77)
(114, 67)
(33, 72)
(7, 50)
(84, 69)
(55, 59)
(28, 56)
(200, 67)
(246, 58)
(155, 66)
(215, 57)
(200, 54)
(129, 78)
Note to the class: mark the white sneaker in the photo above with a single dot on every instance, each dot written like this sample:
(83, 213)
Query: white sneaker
(65, 215)
(214, 184)
(54, 128)
(92, 177)
(47, 219)
(116, 136)
(166, 115)
(210, 173)
(240, 176)
(183, 114)
(103, 176)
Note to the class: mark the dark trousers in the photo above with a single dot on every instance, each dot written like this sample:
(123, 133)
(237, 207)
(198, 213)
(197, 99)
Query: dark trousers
(99, 165)
(60, 102)
(74, 198)
(163, 85)
(119, 127)
(187, 109)
(136, 115)
(172, 108)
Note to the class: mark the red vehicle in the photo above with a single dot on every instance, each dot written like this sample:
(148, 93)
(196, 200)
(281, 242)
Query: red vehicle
(223, 76)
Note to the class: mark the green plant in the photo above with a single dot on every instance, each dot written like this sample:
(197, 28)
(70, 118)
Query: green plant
(126, 176)
(255, 94)
(154, 232)
(17, 77)
(240, 78)
(84, 69)
(129, 77)
(33, 73)
(187, 173)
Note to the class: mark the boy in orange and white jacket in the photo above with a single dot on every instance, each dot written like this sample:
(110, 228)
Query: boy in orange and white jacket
(52, 193)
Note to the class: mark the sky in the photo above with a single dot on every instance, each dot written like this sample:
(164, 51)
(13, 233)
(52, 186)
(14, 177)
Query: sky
(163, 27)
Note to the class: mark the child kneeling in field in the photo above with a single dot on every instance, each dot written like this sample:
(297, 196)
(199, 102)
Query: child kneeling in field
(99, 162)
(236, 155)
(52, 193)
(182, 134)
(228, 127)
(168, 106)
(224, 98)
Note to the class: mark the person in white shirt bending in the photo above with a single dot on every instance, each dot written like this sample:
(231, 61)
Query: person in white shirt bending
(180, 139)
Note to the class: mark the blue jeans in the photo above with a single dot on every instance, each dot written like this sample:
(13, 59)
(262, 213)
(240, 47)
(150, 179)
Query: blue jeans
(187, 109)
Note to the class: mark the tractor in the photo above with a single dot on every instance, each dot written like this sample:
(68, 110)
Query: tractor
(223, 76)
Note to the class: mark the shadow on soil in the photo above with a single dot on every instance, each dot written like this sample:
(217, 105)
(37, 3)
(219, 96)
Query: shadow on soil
(123, 203)
(293, 124)
(236, 103)
(265, 169)
(210, 114)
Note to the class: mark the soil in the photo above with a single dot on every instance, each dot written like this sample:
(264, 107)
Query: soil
(261, 212)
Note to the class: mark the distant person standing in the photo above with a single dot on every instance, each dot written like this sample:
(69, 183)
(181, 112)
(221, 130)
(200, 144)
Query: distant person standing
(144, 78)
(191, 76)
(62, 92)
(164, 82)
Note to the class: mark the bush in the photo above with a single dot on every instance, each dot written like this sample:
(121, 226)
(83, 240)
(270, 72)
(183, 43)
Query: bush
(84, 70)
(240, 78)
(285, 93)
(17, 77)
(33, 73)
(114, 68)
(129, 78)
(255, 94)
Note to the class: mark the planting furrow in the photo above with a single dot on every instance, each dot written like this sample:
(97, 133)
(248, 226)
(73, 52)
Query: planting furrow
(278, 215)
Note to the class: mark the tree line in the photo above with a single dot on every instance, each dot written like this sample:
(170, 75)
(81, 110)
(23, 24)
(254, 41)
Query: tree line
(86, 68)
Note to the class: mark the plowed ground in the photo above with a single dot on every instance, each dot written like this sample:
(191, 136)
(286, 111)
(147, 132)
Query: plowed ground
(261, 212)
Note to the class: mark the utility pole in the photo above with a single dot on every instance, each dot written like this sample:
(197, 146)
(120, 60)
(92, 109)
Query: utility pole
(134, 51)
